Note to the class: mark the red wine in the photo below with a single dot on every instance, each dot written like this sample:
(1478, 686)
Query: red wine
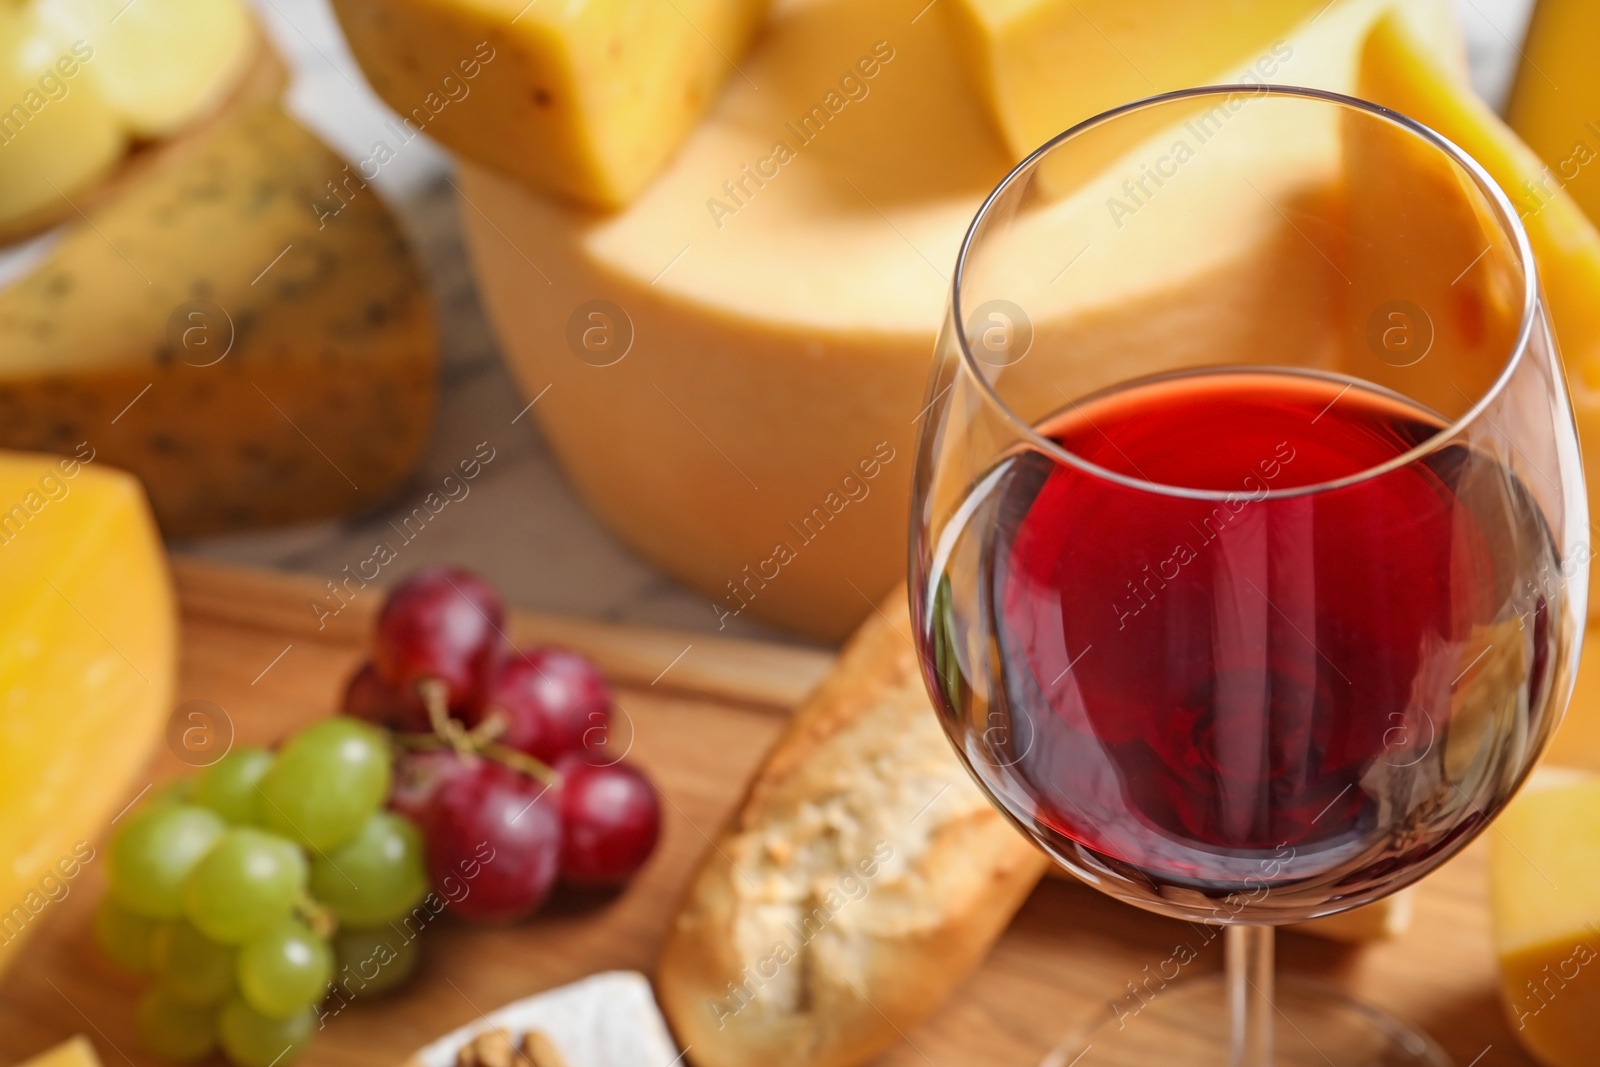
(1221, 667)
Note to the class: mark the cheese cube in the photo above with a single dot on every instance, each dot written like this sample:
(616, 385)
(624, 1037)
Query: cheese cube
(90, 639)
(1544, 885)
(586, 99)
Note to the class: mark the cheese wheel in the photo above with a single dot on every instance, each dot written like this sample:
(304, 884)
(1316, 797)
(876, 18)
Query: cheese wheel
(736, 363)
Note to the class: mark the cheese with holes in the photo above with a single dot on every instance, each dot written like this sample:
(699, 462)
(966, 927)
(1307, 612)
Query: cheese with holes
(244, 327)
(1042, 66)
(1544, 889)
(586, 99)
(88, 656)
(1397, 71)
(737, 360)
(1561, 124)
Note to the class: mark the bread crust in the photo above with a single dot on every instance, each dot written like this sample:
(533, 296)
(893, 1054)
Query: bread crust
(859, 880)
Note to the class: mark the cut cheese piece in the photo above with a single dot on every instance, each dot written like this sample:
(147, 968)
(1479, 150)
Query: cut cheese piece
(73, 1052)
(1042, 66)
(1561, 124)
(205, 330)
(1398, 72)
(1544, 885)
(57, 133)
(1385, 918)
(159, 64)
(88, 654)
(586, 99)
(781, 284)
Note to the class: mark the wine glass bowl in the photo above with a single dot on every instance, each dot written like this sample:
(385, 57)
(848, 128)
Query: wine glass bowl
(1246, 560)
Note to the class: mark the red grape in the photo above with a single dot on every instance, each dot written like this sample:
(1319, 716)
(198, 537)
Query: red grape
(613, 820)
(554, 702)
(418, 777)
(494, 843)
(367, 696)
(443, 623)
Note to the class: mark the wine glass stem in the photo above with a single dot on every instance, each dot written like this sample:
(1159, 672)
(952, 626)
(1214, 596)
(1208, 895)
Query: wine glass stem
(1249, 963)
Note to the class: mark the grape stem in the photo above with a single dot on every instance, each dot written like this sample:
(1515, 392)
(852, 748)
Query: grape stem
(318, 916)
(448, 732)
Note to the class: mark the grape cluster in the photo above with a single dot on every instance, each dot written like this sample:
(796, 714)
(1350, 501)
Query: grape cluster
(507, 769)
(244, 889)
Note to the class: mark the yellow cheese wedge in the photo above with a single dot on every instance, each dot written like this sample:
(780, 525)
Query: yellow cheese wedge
(88, 653)
(737, 360)
(1555, 100)
(586, 99)
(244, 328)
(159, 64)
(1544, 885)
(73, 1052)
(1042, 66)
(57, 132)
(1398, 71)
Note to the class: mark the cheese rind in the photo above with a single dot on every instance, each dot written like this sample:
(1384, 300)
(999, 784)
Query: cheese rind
(88, 657)
(284, 373)
(585, 100)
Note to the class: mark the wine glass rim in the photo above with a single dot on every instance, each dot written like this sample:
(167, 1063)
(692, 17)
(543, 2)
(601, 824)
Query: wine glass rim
(1508, 218)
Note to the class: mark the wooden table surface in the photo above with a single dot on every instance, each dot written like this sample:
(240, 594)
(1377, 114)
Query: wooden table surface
(702, 711)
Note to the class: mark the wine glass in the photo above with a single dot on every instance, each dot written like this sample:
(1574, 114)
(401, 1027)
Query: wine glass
(1246, 559)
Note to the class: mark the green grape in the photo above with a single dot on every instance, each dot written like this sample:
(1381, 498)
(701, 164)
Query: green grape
(177, 791)
(376, 876)
(285, 970)
(247, 882)
(154, 851)
(326, 782)
(250, 1039)
(228, 786)
(373, 960)
(174, 1030)
(193, 968)
(124, 936)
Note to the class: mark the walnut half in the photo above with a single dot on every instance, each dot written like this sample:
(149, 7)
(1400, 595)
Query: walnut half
(494, 1048)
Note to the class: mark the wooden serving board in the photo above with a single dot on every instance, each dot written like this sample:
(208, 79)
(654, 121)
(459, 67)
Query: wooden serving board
(702, 710)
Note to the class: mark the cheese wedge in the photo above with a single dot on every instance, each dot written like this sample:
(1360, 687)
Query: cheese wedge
(737, 361)
(1042, 66)
(244, 328)
(58, 133)
(1561, 124)
(586, 100)
(158, 64)
(1398, 71)
(88, 655)
(1544, 885)
(73, 1052)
